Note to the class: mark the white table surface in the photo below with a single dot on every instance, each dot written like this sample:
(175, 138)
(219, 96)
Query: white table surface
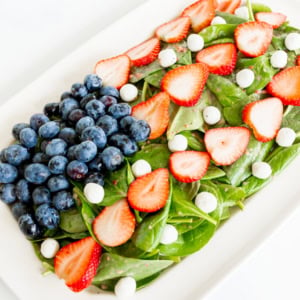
(36, 34)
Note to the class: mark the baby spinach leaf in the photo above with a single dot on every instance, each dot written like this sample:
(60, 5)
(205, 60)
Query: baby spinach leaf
(186, 225)
(220, 41)
(139, 73)
(130, 176)
(216, 32)
(184, 56)
(195, 141)
(230, 18)
(213, 172)
(232, 196)
(47, 263)
(292, 119)
(155, 78)
(71, 221)
(260, 7)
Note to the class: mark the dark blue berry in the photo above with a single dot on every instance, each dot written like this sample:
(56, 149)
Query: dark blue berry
(108, 124)
(95, 178)
(79, 90)
(37, 120)
(71, 153)
(112, 158)
(84, 123)
(49, 130)
(51, 110)
(109, 91)
(63, 201)
(56, 147)
(77, 170)
(96, 164)
(8, 173)
(66, 106)
(119, 110)
(92, 82)
(17, 129)
(57, 164)
(28, 138)
(41, 195)
(43, 145)
(29, 226)
(86, 151)
(96, 135)
(37, 173)
(18, 209)
(2, 156)
(47, 216)
(95, 109)
(85, 100)
(16, 154)
(68, 135)
(108, 101)
(23, 191)
(8, 193)
(75, 115)
(65, 95)
(124, 143)
(40, 157)
(140, 131)
(58, 183)
(126, 122)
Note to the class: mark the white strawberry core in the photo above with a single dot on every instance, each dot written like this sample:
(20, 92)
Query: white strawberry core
(181, 85)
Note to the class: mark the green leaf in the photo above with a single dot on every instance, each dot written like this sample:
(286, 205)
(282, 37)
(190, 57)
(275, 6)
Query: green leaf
(232, 196)
(230, 18)
(220, 41)
(155, 78)
(195, 141)
(292, 119)
(260, 7)
(216, 32)
(47, 263)
(71, 221)
(250, 11)
(213, 172)
(139, 73)
(130, 176)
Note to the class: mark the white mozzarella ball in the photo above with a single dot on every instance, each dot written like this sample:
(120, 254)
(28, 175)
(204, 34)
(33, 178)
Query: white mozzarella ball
(195, 42)
(285, 137)
(125, 288)
(261, 170)
(140, 168)
(178, 143)
(245, 78)
(49, 248)
(292, 41)
(167, 58)
(211, 115)
(169, 235)
(242, 12)
(128, 92)
(94, 192)
(206, 201)
(218, 20)
(279, 59)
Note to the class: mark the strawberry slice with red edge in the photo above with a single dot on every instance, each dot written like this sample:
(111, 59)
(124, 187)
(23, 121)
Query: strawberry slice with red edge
(77, 263)
(253, 38)
(189, 166)
(201, 13)
(115, 224)
(298, 60)
(185, 84)
(114, 71)
(156, 112)
(174, 31)
(264, 117)
(149, 193)
(226, 145)
(272, 18)
(286, 86)
(228, 6)
(221, 59)
(144, 53)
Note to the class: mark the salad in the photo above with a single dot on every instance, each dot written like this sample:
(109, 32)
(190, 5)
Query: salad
(136, 168)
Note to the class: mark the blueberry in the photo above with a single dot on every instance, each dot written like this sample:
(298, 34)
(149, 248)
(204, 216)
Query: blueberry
(49, 130)
(2, 156)
(119, 110)
(85, 100)
(57, 164)
(108, 101)
(96, 135)
(140, 131)
(63, 201)
(58, 183)
(47, 216)
(71, 153)
(69, 135)
(96, 164)
(37, 120)
(79, 90)
(16, 154)
(8, 173)
(84, 123)
(92, 82)
(23, 191)
(40, 157)
(66, 106)
(86, 151)
(8, 193)
(77, 170)
(65, 95)
(41, 195)
(109, 91)
(75, 115)
(36, 173)
(28, 138)
(17, 129)
(108, 124)
(95, 178)
(56, 147)
(18, 209)
(124, 143)
(51, 110)
(112, 158)
(28, 226)
(126, 122)
(95, 109)
(43, 145)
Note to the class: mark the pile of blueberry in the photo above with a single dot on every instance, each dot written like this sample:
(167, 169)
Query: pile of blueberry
(81, 137)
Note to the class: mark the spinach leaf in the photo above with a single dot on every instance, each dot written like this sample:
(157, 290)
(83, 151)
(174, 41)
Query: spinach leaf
(230, 18)
(47, 263)
(185, 224)
(213, 172)
(195, 141)
(220, 41)
(71, 221)
(292, 119)
(260, 7)
(155, 78)
(138, 73)
(216, 32)
(232, 196)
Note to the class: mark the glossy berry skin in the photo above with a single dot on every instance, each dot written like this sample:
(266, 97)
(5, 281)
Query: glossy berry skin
(71, 153)
(2, 156)
(112, 158)
(95, 109)
(8, 193)
(63, 201)
(69, 135)
(47, 216)
(17, 129)
(84, 123)
(86, 151)
(108, 124)
(140, 131)
(109, 91)
(119, 110)
(124, 143)
(16, 154)
(41, 195)
(94, 134)
(43, 145)
(29, 226)
(92, 82)
(49, 130)
(56, 147)
(66, 106)
(58, 183)
(18, 209)
(85, 100)
(40, 157)
(77, 170)
(96, 164)
(97, 178)
(79, 90)
(36, 173)
(108, 101)
(75, 115)
(23, 191)
(37, 120)
(65, 95)
(28, 138)
(8, 173)
(126, 122)
(51, 110)
(57, 164)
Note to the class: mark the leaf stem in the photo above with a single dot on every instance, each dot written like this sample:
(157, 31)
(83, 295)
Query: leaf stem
(251, 16)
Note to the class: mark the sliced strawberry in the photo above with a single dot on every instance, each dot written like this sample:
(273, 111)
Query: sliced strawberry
(228, 6)
(201, 13)
(298, 60)
(221, 59)
(272, 18)
(227, 144)
(253, 38)
(156, 112)
(144, 53)
(286, 86)
(114, 71)
(174, 31)
(115, 224)
(189, 166)
(264, 117)
(150, 192)
(77, 263)
(185, 84)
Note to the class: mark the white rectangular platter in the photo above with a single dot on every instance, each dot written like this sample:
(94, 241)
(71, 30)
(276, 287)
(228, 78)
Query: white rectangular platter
(197, 274)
